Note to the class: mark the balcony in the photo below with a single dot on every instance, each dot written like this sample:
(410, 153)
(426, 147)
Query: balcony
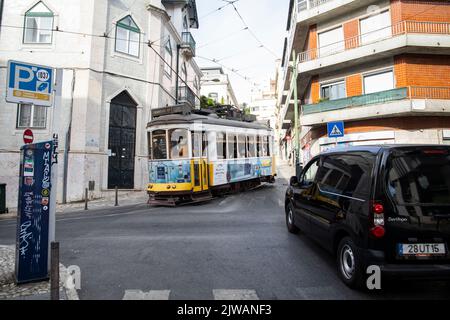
(401, 101)
(401, 28)
(188, 44)
(186, 95)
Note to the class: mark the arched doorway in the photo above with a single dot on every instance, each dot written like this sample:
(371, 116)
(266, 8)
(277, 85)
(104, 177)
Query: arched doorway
(122, 141)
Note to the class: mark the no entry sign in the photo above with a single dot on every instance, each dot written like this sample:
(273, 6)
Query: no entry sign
(28, 136)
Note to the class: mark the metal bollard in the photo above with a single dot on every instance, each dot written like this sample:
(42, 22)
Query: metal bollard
(54, 271)
(86, 199)
(117, 197)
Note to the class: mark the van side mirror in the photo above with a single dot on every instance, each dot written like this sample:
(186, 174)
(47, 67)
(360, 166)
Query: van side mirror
(294, 181)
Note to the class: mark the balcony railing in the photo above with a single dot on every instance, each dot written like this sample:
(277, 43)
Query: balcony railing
(401, 28)
(412, 92)
(437, 93)
(303, 5)
(188, 42)
(366, 99)
(186, 95)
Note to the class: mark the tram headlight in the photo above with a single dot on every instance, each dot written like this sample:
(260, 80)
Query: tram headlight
(150, 186)
(174, 186)
(168, 187)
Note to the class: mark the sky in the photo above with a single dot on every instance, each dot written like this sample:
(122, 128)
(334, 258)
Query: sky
(221, 36)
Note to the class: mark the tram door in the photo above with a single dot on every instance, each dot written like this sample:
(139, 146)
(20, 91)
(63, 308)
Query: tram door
(200, 162)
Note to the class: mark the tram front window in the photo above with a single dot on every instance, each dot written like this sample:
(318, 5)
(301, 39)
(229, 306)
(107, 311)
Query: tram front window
(232, 146)
(159, 145)
(178, 143)
(196, 144)
(251, 146)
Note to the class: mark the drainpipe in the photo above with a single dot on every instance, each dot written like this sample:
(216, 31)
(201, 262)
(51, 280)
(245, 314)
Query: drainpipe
(177, 70)
(67, 142)
(1, 12)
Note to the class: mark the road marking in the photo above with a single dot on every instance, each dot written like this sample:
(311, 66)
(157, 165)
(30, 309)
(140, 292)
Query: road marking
(150, 295)
(226, 294)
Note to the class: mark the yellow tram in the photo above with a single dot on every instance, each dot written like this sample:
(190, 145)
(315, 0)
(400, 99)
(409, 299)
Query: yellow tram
(194, 157)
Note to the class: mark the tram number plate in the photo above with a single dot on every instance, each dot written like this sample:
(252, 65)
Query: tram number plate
(421, 249)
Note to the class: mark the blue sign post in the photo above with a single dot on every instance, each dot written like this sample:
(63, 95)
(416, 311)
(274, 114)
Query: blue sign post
(29, 83)
(33, 215)
(335, 129)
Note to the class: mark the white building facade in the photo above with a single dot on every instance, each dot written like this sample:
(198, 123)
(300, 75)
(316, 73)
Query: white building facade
(119, 61)
(216, 85)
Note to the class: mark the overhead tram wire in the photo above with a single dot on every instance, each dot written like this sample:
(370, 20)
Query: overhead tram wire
(251, 32)
(229, 3)
(149, 43)
(222, 38)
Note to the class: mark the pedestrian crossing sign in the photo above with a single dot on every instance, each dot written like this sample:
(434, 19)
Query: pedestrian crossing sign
(335, 129)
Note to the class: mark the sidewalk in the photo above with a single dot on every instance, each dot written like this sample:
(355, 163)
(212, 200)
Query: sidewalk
(125, 198)
(31, 291)
(284, 171)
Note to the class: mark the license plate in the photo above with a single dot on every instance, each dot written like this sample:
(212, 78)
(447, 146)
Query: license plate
(421, 249)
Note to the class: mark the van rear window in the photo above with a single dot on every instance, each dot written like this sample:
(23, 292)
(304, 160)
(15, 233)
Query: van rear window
(420, 177)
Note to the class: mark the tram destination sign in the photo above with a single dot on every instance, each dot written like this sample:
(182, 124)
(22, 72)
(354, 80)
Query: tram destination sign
(178, 109)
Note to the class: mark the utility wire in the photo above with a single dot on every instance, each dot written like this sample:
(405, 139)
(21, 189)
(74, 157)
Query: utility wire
(218, 9)
(222, 38)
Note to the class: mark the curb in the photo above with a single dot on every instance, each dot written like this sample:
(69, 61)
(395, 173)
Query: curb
(69, 285)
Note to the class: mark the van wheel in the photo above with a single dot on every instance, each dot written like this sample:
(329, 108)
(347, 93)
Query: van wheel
(290, 220)
(349, 264)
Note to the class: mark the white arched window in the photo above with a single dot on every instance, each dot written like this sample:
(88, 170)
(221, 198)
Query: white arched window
(38, 25)
(168, 58)
(128, 37)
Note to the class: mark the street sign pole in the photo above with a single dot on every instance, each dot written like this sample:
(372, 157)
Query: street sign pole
(54, 176)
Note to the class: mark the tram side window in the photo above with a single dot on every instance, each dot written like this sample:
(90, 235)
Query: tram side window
(232, 146)
(221, 143)
(178, 143)
(264, 146)
(159, 145)
(196, 144)
(258, 146)
(205, 144)
(241, 146)
(251, 151)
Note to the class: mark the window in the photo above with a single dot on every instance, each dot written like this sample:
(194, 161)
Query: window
(241, 146)
(331, 42)
(128, 37)
(184, 72)
(159, 145)
(31, 116)
(214, 96)
(379, 82)
(232, 146)
(38, 25)
(310, 174)
(375, 27)
(168, 58)
(265, 146)
(420, 177)
(178, 143)
(258, 146)
(333, 91)
(196, 144)
(347, 175)
(221, 145)
(251, 147)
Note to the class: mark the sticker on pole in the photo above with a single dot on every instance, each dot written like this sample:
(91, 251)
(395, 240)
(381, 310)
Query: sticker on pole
(29, 83)
(335, 129)
(28, 136)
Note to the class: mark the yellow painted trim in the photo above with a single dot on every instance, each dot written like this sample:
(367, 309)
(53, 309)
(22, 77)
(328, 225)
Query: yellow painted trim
(274, 166)
(211, 174)
(162, 187)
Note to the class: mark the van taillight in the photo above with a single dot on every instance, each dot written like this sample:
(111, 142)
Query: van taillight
(378, 220)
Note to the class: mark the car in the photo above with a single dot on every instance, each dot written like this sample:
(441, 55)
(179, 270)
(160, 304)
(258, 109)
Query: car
(385, 206)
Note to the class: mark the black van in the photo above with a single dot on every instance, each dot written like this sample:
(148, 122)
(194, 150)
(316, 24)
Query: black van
(387, 206)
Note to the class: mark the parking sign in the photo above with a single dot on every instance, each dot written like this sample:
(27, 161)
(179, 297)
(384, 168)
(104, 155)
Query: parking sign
(29, 83)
